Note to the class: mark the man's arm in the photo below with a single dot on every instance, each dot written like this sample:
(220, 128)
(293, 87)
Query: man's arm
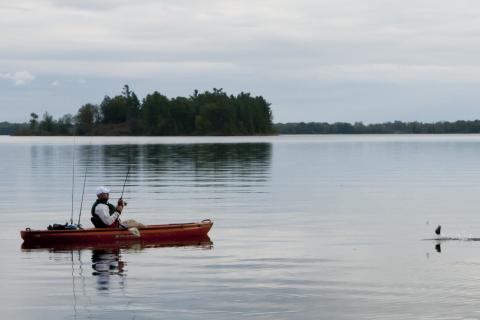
(103, 213)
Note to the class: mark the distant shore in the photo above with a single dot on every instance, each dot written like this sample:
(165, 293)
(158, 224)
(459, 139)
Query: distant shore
(208, 113)
(396, 127)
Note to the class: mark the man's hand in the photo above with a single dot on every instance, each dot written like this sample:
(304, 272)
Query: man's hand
(120, 205)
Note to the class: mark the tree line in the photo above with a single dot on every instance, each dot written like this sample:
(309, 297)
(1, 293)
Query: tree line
(208, 113)
(7, 128)
(460, 126)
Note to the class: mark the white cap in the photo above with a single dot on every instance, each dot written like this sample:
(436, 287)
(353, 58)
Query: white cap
(102, 189)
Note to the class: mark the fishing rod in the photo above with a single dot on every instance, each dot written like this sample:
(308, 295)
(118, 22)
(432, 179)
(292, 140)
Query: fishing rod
(124, 183)
(126, 176)
(73, 177)
(123, 190)
(83, 191)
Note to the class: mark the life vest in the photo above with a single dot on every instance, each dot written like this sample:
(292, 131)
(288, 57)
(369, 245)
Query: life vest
(97, 222)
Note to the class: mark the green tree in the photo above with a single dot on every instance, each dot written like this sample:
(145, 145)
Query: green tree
(33, 122)
(86, 118)
(114, 110)
(212, 114)
(133, 110)
(47, 125)
(183, 112)
(64, 125)
(155, 111)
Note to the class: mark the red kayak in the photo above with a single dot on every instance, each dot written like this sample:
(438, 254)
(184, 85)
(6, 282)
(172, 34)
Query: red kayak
(105, 235)
(201, 242)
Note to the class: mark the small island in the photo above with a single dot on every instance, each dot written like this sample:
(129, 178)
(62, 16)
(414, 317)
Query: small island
(207, 113)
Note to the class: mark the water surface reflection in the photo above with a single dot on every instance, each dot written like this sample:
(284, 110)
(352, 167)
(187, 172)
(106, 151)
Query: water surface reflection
(105, 264)
(306, 227)
(109, 261)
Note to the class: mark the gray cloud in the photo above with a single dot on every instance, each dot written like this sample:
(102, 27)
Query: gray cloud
(292, 52)
(89, 4)
(19, 78)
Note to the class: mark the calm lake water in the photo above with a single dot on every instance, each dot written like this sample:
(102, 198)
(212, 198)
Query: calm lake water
(306, 227)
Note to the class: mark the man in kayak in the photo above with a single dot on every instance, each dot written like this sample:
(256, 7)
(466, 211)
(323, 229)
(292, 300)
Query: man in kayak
(105, 214)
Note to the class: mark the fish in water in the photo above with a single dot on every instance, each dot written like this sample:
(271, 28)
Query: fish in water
(438, 230)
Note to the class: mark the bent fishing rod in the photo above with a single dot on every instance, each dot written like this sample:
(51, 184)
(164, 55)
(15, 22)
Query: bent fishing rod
(83, 190)
(124, 183)
(126, 176)
(73, 177)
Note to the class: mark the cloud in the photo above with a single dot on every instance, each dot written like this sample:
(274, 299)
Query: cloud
(12, 8)
(396, 73)
(55, 83)
(122, 68)
(19, 78)
(268, 38)
(90, 4)
(283, 49)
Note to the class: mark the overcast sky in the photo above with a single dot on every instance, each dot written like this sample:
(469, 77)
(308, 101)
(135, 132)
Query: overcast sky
(313, 60)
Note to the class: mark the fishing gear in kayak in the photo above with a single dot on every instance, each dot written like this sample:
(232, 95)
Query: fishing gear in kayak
(67, 225)
(71, 225)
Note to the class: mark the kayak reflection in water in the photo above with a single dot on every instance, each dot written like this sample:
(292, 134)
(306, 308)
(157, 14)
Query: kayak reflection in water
(106, 215)
(106, 263)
